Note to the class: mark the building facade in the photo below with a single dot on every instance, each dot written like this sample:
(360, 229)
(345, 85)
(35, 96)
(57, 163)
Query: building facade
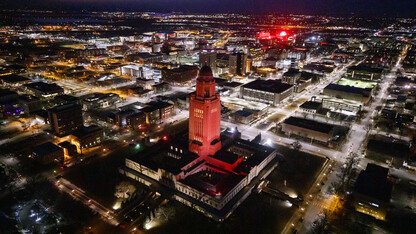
(204, 116)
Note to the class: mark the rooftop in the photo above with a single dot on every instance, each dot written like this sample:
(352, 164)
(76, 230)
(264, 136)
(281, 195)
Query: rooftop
(46, 148)
(13, 78)
(388, 147)
(273, 86)
(311, 105)
(65, 107)
(86, 130)
(44, 87)
(348, 89)
(309, 124)
(361, 67)
(373, 182)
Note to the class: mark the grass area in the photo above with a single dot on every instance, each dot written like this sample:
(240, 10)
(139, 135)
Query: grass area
(357, 83)
(100, 176)
(276, 117)
(301, 101)
(291, 107)
(259, 213)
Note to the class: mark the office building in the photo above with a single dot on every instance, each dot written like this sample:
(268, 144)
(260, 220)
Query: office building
(65, 119)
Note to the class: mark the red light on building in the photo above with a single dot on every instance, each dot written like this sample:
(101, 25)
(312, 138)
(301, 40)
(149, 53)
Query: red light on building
(165, 138)
(204, 116)
(283, 33)
(264, 36)
(324, 43)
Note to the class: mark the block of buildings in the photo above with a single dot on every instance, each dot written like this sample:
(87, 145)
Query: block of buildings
(209, 171)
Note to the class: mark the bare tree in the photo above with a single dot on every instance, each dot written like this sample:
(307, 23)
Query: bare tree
(320, 225)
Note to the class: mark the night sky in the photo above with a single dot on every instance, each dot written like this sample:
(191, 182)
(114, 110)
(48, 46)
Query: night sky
(372, 7)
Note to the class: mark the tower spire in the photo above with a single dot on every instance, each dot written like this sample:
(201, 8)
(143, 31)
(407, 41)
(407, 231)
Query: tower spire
(204, 115)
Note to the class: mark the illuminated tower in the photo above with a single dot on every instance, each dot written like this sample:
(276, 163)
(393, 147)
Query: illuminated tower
(204, 116)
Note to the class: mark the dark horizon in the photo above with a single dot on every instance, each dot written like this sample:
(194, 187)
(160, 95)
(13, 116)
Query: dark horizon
(373, 8)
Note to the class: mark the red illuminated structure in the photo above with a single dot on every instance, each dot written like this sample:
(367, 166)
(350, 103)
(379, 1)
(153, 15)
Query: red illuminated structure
(204, 116)
(264, 36)
(280, 35)
(283, 33)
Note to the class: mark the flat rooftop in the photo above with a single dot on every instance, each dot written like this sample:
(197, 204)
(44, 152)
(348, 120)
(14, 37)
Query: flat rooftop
(44, 87)
(13, 79)
(271, 86)
(46, 148)
(357, 83)
(373, 182)
(311, 105)
(86, 130)
(309, 124)
(213, 181)
(348, 89)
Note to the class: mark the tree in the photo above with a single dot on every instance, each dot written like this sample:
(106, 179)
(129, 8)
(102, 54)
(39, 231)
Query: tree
(320, 225)
(348, 171)
(124, 190)
(165, 212)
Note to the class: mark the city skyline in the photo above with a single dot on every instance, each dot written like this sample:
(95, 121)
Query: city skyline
(116, 118)
(374, 8)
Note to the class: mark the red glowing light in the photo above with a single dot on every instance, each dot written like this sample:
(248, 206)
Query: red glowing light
(165, 138)
(264, 35)
(283, 33)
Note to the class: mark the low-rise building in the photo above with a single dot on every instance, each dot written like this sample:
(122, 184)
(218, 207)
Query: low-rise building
(100, 101)
(243, 116)
(341, 105)
(29, 104)
(311, 107)
(161, 87)
(157, 111)
(372, 191)
(267, 91)
(13, 81)
(87, 137)
(66, 99)
(65, 119)
(310, 129)
(145, 83)
(349, 92)
(386, 150)
(182, 76)
(362, 72)
(44, 90)
(136, 120)
(47, 153)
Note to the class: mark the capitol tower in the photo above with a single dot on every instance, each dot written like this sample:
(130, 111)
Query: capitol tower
(204, 116)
